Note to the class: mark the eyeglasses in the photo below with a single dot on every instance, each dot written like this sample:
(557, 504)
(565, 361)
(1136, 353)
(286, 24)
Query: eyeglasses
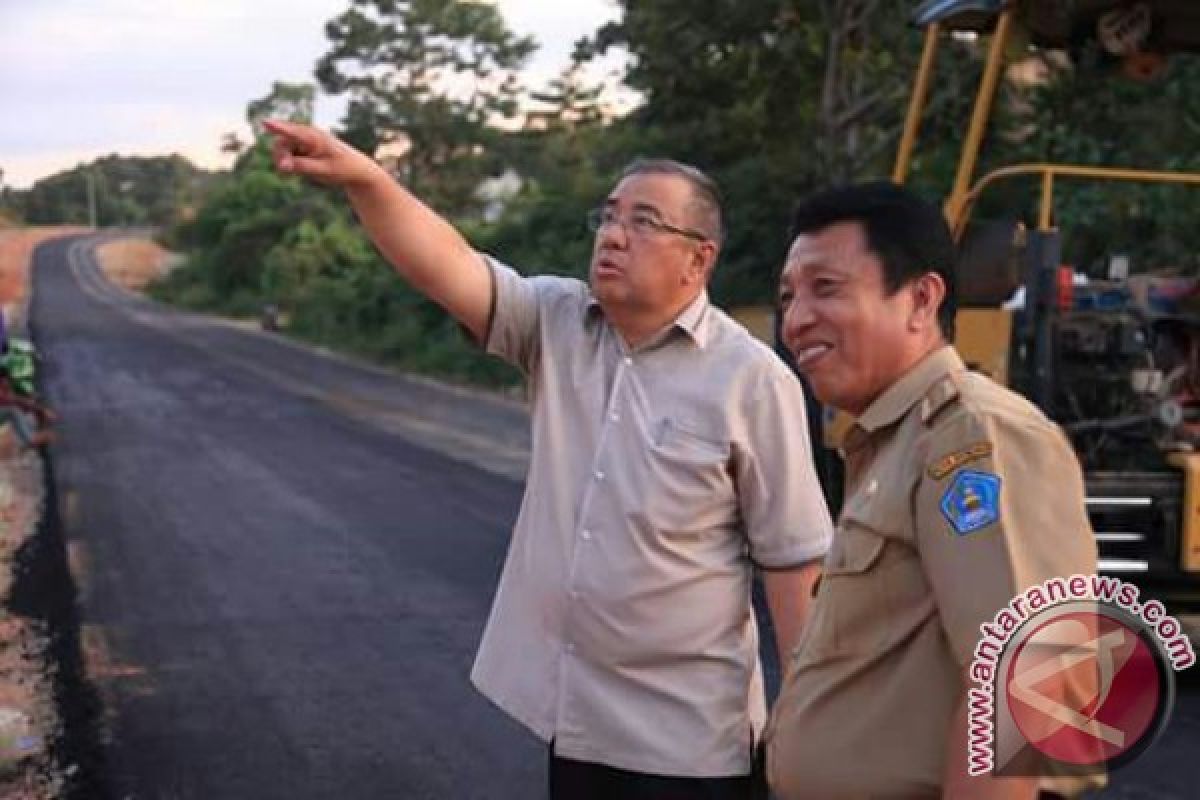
(642, 224)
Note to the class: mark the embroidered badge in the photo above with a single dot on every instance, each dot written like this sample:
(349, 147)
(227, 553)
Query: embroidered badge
(947, 464)
(972, 501)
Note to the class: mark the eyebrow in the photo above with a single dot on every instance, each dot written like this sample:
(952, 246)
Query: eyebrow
(612, 201)
(819, 269)
(647, 207)
(788, 277)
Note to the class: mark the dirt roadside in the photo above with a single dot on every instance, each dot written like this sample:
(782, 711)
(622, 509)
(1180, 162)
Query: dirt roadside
(32, 761)
(133, 263)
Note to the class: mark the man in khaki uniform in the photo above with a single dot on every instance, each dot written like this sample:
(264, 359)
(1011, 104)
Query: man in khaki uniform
(959, 495)
(668, 462)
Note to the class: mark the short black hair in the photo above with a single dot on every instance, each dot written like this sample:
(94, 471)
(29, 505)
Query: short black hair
(705, 207)
(908, 234)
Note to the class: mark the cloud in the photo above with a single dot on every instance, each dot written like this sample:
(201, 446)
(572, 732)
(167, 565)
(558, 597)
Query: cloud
(83, 78)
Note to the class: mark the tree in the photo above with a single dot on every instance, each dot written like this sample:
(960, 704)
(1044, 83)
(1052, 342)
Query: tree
(293, 102)
(864, 81)
(10, 204)
(128, 191)
(1087, 112)
(435, 75)
(569, 101)
(567, 155)
(775, 98)
(232, 143)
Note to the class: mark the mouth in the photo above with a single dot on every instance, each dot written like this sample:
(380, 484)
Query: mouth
(808, 355)
(605, 267)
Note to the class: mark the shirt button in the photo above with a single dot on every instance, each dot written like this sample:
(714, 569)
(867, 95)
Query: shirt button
(628, 361)
(587, 535)
(599, 475)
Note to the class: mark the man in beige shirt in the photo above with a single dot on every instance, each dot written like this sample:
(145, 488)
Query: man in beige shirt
(959, 495)
(668, 461)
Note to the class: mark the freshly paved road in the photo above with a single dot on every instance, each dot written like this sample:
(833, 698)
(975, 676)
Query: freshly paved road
(282, 578)
(281, 597)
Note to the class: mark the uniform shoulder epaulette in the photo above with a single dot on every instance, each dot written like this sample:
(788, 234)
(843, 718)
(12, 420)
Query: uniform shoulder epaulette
(940, 395)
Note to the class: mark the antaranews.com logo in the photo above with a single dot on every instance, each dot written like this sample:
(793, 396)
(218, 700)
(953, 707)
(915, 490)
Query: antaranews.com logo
(1073, 676)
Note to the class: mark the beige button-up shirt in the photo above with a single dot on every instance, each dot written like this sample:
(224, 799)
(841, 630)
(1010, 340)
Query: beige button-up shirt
(867, 701)
(622, 627)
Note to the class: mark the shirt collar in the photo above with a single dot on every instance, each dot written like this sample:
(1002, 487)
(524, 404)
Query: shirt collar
(693, 320)
(899, 398)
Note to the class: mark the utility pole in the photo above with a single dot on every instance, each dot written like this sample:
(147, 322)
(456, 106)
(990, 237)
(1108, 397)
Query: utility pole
(91, 196)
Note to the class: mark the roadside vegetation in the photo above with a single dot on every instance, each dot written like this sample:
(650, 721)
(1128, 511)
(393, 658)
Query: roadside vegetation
(118, 190)
(774, 98)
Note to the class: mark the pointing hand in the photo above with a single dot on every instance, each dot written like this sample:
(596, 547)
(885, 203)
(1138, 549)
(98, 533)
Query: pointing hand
(313, 153)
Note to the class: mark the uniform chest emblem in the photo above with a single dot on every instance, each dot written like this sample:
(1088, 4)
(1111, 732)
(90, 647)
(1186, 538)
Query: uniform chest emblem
(972, 501)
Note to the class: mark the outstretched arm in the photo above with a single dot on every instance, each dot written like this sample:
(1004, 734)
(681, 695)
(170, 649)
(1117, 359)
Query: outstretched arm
(422, 246)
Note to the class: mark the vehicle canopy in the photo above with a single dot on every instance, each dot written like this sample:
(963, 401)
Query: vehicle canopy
(1139, 33)
(1159, 26)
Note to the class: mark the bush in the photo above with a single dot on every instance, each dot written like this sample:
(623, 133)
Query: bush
(265, 239)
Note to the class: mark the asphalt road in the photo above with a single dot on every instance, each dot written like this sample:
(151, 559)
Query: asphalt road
(1170, 769)
(283, 577)
(280, 595)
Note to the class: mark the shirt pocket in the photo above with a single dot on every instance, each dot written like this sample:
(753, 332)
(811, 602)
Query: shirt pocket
(850, 613)
(873, 590)
(686, 483)
(857, 579)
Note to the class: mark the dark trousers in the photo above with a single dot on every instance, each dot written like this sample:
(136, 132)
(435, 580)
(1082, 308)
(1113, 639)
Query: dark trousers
(581, 780)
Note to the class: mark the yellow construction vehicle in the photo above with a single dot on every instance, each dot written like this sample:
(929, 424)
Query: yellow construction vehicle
(1118, 364)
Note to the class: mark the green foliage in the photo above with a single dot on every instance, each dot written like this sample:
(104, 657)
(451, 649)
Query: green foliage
(126, 191)
(287, 101)
(11, 204)
(434, 76)
(9, 214)
(262, 238)
(568, 164)
(242, 222)
(774, 98)
(337, 291)
(1090, 114)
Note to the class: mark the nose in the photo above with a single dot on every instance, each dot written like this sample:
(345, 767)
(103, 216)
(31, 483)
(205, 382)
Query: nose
(612, 235)
(798, 317)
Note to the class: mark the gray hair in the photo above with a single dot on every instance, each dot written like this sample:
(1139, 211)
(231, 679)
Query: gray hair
(705, 206)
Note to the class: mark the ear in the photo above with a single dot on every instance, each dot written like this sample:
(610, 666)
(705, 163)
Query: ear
(701, 263)
(928, 292)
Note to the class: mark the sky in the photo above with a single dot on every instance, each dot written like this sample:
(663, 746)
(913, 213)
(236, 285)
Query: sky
(80, 79)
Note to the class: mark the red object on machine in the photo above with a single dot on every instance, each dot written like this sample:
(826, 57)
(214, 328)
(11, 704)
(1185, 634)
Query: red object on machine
(1065, 290)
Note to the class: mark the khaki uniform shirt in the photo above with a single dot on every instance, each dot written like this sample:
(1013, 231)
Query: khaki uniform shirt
(622, 627)
(867, 699)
